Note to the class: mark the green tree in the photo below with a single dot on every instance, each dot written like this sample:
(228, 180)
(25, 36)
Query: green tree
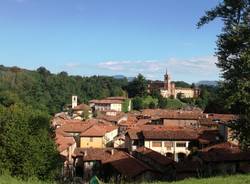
(163, 102)
(137, 103)
(137, 87)
(125, 105)
(26, 145)
(233, 52)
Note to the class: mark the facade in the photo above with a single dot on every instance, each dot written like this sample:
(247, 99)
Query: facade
(78, 112)
(98, 136)
(110, 104)
(168, 89)
(105, 105)
(171, 143)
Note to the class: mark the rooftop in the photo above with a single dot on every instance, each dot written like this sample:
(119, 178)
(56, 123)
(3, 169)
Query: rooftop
(155, 156)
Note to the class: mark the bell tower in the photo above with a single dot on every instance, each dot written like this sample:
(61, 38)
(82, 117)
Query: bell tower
(74, 101)
(167, 81)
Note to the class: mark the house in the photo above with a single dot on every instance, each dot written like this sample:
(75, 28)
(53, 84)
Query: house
(98, 136)
(157, 161)
(208, 137)
(65, 146)
(122, 166)
(112, 116)
(88, 161)
(181, 118)
(59, 119)
(172, 143)
(224, 158)
(81, 112)
(110, 103)
(110, 164)
(119, 141)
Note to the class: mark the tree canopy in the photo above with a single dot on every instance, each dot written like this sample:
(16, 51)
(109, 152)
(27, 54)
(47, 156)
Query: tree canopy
(233, 52)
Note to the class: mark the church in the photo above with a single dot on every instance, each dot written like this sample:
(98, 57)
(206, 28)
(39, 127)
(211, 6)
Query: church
(167, 88)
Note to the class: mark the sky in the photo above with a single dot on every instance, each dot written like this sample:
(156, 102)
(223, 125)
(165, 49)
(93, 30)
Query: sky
(110, 37)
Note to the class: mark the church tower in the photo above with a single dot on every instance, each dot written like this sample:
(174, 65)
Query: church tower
(167, 81)
(74, 101)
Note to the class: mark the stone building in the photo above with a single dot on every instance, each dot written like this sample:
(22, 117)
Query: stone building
(167, 88)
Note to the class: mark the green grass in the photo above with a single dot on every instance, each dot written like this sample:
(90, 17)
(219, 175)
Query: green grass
(236, 179)
(7, 179)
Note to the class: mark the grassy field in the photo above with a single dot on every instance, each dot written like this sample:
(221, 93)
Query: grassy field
(6, 179)
(236, 179)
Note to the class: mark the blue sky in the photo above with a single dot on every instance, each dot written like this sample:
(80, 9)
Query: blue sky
(109, 37)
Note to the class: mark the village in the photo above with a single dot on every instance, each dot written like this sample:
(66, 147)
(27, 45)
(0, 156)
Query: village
(99, 140)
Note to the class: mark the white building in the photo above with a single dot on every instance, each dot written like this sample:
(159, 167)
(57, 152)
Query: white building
(110, 103)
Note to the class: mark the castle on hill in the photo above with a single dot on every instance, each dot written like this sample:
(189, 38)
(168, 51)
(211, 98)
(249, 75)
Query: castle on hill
(167, 88)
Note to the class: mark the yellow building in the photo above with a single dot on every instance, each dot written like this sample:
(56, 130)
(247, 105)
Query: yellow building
(98, 136)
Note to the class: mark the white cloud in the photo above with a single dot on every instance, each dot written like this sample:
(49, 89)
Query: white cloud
(192, 69)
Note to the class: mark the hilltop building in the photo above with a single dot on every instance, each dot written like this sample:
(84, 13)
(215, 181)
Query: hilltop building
(167, 88)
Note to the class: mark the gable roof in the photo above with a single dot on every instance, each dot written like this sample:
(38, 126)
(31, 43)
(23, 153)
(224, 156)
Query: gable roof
(63, 141)
(172, 114)
(155, 156)
(127, 165)
(97, 130)
(106, 101)
(81, 107)
(170, 135)
(223, 152)
(76, 126)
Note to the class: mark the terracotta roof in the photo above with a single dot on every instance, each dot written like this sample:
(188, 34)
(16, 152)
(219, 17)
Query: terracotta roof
(97, 130)
(116, 98)
(92, 154)
(155, 156)
(62, 141)
(170, 135)
(172, 114)
(104, 101)
(208, 122)
(76, 126)
(127, 165)
(116, 118)
(82, 107)
(225, 146)
(135, 134)
(223, 152)
(223, 117)
(120, 160)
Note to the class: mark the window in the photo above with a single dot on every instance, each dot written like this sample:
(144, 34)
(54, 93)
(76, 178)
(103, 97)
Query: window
(168, 144)
(156, 143)
(180, 144)
(91, 139)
